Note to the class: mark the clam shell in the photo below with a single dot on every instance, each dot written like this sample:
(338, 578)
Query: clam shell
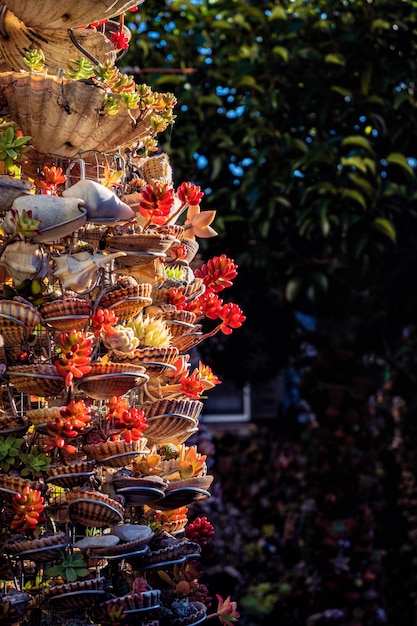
(64, 117)
(17, 321)
(67, 13)
(57, 46)
(141, 242)
(111, 379)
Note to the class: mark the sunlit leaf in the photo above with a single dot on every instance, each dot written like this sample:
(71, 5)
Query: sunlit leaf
(385, 227)
(399, 159)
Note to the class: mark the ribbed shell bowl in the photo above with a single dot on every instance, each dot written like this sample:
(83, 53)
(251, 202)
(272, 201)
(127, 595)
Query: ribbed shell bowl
(65, 117)
(67, 13)
(57, 45)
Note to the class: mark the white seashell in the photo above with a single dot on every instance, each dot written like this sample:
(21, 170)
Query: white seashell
(79, 272)
(24, 260)
(58, 216)
(99, 201)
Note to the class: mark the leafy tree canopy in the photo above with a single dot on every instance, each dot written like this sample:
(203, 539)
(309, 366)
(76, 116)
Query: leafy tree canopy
(298, 120)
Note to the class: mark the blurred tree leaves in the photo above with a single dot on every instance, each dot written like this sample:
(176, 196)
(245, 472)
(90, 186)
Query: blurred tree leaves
(298, 119)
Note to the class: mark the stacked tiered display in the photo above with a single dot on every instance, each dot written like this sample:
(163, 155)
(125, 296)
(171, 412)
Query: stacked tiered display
(103, 303)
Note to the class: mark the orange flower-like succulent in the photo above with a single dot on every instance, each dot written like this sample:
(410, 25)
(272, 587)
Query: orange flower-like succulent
(50, 180)
(131, 424)
(28, 508)
(103, 321)
(156, 202)
(74, 358)
(218, 273)
(191, 462)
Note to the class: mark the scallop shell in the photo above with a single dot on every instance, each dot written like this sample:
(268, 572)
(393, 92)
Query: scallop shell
(43, 415)
(64, 116)
(189, 408)
(17, 321)
(174, 429)
(56, 45)
(66, 314)
(126, 302)
(67, 13)
(38, 380)
(111, 379)
(190, 291)
(108, 449)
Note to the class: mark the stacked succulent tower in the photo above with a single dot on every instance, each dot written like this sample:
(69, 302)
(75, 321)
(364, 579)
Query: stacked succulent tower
(103, 304)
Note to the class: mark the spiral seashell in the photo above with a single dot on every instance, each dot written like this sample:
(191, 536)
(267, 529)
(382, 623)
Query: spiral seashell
(67, 13)
(56, 45)
(65, 117)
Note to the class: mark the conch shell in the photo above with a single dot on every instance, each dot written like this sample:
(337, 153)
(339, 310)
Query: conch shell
(79, 271)
(24, 260)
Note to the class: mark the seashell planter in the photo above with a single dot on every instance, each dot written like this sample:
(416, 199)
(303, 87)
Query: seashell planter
(67, 13)
(57, 45)
(66, 117)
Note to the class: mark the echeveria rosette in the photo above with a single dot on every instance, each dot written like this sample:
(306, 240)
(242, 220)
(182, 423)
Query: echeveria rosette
(75, 355)
(28, 507)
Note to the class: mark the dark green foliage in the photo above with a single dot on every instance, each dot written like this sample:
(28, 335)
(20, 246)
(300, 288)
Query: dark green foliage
(306, 116)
